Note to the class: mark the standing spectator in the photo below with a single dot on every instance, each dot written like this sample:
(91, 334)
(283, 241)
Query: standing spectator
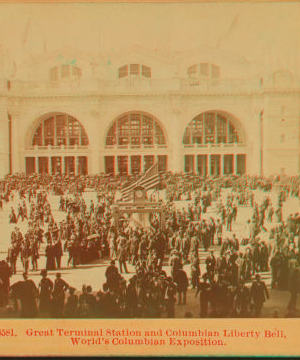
(182, 283)
(46, 287)
(195, 272)
(71, 307)
(50, 255)
(58, 295)
(258, 294)
(122, 255)
(28, 295)
(5, 274)
(204, 290)
(210, 265)
(58, 253)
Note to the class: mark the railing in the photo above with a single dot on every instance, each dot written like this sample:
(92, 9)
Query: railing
(135, 146)
(221, 145)
(61, 147)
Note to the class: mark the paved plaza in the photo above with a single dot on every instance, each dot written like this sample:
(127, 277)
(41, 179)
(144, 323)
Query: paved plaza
(94, 274)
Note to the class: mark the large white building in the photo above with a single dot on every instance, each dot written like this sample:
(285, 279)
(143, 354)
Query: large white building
(204, 111)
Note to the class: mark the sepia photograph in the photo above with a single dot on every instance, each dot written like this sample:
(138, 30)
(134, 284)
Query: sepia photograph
(149, 167)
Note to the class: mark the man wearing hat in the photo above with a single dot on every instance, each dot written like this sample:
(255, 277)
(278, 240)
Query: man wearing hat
(175, 262)
(122, 254)
(258, 294)
(58, 252)
(28, 296)
(112, 276)
(60, 287)
(204, 290)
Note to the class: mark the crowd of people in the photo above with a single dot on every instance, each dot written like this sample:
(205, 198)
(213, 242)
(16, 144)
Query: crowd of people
(230, 286)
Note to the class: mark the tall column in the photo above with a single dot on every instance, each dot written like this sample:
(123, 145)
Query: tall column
(221, 164)
(15, 141)
(209, 164)
(142, 163)
(115, 165)
(156, 159)
(76, 165)
(94, 160)
(175, 136)
(64, 164)
(50, 165)
(234, 167)
(130, 165)
(194, 163)
(36, 165)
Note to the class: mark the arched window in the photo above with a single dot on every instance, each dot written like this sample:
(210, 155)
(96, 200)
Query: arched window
(136, 70)
(135, 130)
(64, 72)
(60, 130)
(211, 128)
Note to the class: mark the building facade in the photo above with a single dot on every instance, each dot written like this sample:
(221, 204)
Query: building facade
(204, 112)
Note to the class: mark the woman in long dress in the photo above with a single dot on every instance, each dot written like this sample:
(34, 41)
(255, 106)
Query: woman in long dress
(45, 287)
(50, 255)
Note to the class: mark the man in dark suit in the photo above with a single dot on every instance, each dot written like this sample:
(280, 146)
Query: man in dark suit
(58, 253)
(258, 294)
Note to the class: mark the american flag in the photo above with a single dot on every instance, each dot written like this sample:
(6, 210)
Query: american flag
(149, 180)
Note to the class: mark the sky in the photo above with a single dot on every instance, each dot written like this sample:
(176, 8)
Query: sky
(265, 32)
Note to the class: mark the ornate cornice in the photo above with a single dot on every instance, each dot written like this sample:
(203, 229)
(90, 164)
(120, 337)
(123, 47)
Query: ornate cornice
(166, 94)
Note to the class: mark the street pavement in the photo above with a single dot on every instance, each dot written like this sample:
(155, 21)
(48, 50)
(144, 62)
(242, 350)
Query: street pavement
(94, 274)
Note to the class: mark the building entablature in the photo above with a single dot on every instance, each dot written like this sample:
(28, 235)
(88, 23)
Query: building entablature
(95, 87)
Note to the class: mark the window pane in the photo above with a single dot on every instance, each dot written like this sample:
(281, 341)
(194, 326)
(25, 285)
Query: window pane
(197, 125)
(189, 163)
(111, 136)
(221, 129)
(202, 164)
(37, 137)
(135, 164)
(134, 130)
(228, 164)
(233, 137)
(76, 71)
(123, 165)
(193, 71)
(49, 127)
(215, 164)
(123, 71)
(135, 124)
(162, 163)
(215, 71)
(110, 165)
(134, 69)
(146, 71)
(54, 74)
(84, 137)
(204, 69)
(65, 71)
(187, 136)
(148, 161)
(241, 164)
(209, 128)
(74, 127)
(43, 165)
(30, 165)
(61, 126)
